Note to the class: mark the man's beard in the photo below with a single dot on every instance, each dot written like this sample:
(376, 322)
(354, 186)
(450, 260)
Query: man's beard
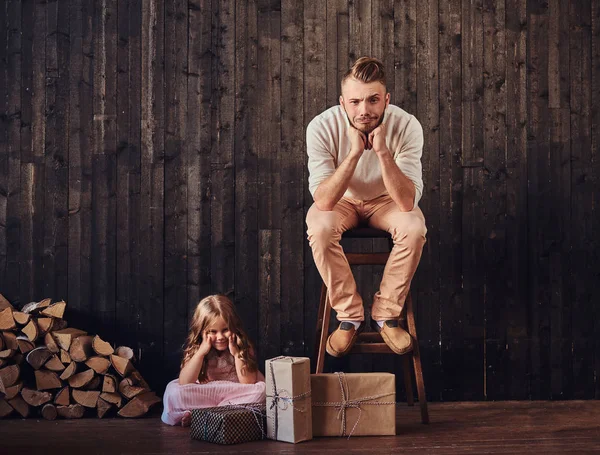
(379, 122)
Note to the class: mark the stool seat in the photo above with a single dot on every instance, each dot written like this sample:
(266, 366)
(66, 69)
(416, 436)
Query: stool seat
(364, 232)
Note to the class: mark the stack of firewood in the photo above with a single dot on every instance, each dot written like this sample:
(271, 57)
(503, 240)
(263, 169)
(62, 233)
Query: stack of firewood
(48, 367)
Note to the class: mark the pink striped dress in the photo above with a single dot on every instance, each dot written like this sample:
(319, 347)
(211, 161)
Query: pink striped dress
(221, 388)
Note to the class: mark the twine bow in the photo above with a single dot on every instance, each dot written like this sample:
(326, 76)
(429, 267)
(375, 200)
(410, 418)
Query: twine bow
(281, 397)
(346, 403)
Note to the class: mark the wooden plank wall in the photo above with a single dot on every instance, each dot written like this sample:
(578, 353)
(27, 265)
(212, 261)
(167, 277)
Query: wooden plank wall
(153, 152)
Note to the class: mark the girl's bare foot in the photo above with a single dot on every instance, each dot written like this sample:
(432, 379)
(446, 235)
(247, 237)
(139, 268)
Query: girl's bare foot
(187, 419)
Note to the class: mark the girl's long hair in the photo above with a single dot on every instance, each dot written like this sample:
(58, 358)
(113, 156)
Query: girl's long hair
(209, 309)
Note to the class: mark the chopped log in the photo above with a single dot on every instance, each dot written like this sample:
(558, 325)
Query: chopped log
(103, 407)
(62, 397)
(31, 330)
(25, 345)
(69, 371)
(81, 379)
(51, 344)
(121, 364)
(21, 318)
(54, 364)
(140, 405)
(137, 379)
(87, 398)
(35, 397)
(1, 342)
(29, 307)
(38, 357)
(65, 337)
(20, 406)
(2, 390)
(7, 353)
(36, 307)
(94, 384)
(102, 347)
(110, 383)
(65, 357)
(73, 411)
(49, 411)
(113, 398)
(81, 348)
(59, 324)
(46, 380)
(18, 358)
(43, 304)
(3, 363)
(13, 390)
(99, 364)
(9, 375)
(7, 322)
(56, 310)
(128, 390)
(45, 325)
(126, 352)
(5, 409)
(10, 340)
(4, 303)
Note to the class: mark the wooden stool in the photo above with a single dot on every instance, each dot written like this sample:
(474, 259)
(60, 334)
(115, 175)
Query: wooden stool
(372, 342)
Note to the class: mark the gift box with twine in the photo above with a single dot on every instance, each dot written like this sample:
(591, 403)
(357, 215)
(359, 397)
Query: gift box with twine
(353, 404)
(229, 424)
(289, 413)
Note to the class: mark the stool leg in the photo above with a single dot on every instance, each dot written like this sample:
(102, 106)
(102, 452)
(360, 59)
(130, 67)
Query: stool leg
(322, 328)
(320, 314)
(412, 329)
(407, 380)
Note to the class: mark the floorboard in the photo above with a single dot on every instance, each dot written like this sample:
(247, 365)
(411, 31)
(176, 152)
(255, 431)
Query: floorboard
(538, 427)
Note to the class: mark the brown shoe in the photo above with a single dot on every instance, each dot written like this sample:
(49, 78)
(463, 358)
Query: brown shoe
(398, 339)
(342, 339)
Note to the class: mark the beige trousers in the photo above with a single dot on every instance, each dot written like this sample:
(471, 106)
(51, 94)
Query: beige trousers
(325, 229)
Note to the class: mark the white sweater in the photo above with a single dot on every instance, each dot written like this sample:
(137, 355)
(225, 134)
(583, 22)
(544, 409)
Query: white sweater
(328, 145)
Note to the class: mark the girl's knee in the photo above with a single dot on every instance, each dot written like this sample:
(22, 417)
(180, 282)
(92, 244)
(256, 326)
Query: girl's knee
(261, 387)
(172, 387)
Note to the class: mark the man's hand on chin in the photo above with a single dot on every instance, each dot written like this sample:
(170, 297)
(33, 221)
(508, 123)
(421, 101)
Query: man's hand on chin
(358, 141)
(377, 139)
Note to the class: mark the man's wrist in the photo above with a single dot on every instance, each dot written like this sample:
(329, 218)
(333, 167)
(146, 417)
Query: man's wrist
(356, 153)
(384, 153)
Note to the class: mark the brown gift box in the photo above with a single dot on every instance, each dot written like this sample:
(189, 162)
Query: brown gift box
(353, 404)
(289, 413)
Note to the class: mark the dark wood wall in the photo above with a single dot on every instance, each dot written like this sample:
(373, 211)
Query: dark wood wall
(153, 152)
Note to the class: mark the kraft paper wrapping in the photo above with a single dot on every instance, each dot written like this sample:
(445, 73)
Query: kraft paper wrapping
(354, 404)
(289, 412)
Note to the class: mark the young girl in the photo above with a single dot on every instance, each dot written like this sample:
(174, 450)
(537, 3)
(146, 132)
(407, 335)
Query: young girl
(218, 367)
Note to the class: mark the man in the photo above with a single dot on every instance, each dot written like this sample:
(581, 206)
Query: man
(364, 162)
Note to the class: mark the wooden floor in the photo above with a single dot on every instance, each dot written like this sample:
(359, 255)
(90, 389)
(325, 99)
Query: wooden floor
(455, 428)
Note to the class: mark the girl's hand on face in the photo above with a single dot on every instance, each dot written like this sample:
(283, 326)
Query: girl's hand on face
(233, 347)
(205, 345)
